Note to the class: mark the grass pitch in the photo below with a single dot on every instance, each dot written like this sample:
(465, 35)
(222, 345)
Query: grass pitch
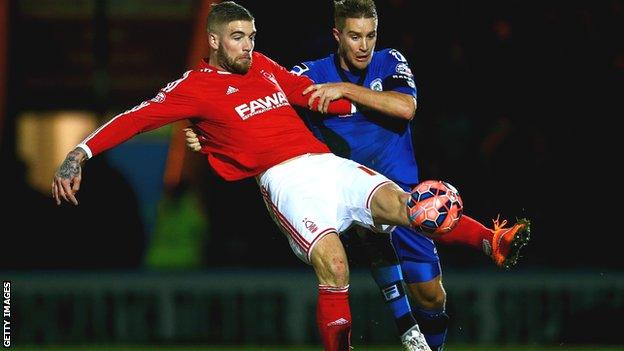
(310, 348)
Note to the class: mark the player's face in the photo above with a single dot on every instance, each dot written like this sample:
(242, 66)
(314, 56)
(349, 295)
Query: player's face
(356, 42)
(236, 43)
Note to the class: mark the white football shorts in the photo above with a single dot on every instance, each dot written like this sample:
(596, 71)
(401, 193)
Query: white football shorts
(316, 194)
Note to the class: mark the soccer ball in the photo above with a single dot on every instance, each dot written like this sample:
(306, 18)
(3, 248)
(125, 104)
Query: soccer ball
(435, 207)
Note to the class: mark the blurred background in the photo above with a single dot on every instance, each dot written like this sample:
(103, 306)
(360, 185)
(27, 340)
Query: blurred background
(518, 103)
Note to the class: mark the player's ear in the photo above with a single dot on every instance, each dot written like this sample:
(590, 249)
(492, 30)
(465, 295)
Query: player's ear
(336, 33)
(213, 40)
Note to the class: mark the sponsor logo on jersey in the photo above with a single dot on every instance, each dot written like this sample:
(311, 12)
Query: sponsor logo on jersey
(159, 98)
(230, 90)
(205, 70)
(376, 85)
(299, 69)
(261, 105)
(403, 68)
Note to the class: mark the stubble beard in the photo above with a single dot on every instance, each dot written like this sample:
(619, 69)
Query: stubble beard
(230, 64)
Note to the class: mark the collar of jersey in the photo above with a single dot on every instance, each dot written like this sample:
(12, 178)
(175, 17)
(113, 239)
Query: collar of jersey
(343, 74)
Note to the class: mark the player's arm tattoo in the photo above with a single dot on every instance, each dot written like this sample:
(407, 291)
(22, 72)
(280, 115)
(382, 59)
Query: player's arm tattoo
(70, 167)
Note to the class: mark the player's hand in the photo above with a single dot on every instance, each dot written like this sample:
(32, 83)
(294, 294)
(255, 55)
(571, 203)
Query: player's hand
(68, 176)
(326, 93)
(194, 138)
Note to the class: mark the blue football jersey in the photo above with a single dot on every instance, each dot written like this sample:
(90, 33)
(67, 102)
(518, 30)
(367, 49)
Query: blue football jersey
(368, 137)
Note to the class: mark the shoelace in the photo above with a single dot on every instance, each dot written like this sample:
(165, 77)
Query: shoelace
(498, 226)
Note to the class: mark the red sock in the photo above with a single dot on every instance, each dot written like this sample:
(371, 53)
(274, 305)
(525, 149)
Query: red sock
(468, 232)
(333, 317)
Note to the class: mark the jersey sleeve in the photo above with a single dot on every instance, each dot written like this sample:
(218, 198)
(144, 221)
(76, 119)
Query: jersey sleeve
(293, 86)
(305, 68)
(174, 102)
(397, 74)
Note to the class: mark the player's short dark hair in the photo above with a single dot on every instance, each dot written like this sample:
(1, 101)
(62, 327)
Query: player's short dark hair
(344, 9)
(226, 12)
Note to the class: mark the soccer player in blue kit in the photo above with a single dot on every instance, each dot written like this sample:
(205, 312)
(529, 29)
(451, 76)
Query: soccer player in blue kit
(379, 136)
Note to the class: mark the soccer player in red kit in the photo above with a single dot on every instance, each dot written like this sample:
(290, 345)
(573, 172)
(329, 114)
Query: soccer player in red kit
(241, 101)
(382, 82)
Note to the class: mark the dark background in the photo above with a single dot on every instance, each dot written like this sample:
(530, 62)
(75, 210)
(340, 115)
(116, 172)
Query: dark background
(518, 107)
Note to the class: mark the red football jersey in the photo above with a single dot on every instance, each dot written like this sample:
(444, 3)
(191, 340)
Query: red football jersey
(247, 119)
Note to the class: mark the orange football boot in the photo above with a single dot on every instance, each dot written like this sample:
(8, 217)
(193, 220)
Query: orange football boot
(507, 242)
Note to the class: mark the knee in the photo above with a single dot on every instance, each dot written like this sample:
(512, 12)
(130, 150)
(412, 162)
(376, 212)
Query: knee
(339, 271)
(433, 301)
(333, 270)
(428, 297)
(388, 205)
(436, 301)
(330, 262)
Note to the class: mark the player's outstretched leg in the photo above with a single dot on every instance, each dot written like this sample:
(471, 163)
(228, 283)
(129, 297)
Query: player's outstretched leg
(507, 241)
(502, 244)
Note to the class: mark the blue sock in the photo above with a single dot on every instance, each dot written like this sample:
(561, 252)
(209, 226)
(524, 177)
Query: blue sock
(433, 324)
(390, 282)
